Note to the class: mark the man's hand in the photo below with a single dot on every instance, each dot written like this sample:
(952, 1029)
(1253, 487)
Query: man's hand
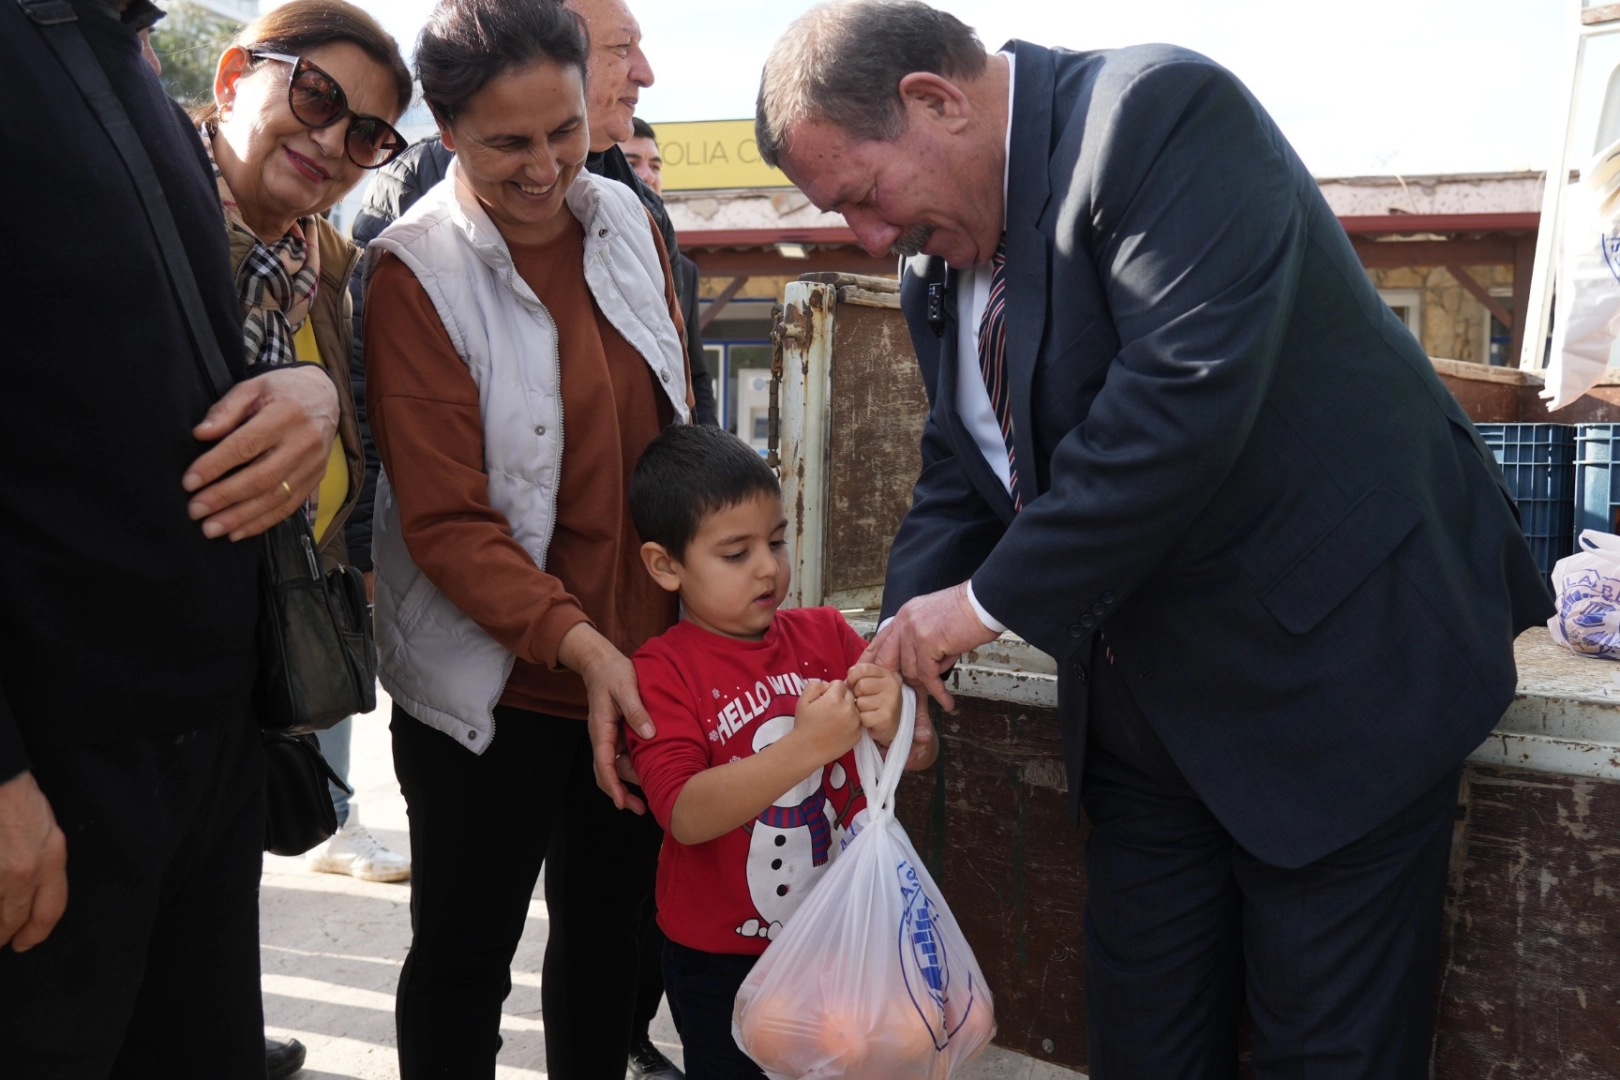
(33, 865)
(926, 637)
(612, 695)
(275, 431)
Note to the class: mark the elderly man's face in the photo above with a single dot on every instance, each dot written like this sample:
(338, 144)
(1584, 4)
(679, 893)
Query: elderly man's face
(617, 67)
(910, 196)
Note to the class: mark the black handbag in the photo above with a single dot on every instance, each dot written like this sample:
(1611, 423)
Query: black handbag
(298, 804)
(317, 660)
(317, 657)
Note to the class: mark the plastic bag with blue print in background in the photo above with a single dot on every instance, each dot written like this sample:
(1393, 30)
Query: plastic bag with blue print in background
(1586, 619)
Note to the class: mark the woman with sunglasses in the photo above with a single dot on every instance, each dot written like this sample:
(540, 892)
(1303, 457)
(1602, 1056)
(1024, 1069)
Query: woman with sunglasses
(523, 346)
(305, 100)
(304, 103)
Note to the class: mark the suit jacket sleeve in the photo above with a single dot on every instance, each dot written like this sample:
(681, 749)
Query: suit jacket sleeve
(1192, 215)
(950, 528)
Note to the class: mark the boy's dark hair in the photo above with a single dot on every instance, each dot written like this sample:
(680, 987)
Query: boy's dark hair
(687, 473)
(642, 129)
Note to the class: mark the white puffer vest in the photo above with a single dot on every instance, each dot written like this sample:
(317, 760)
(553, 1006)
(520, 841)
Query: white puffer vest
(433, 659)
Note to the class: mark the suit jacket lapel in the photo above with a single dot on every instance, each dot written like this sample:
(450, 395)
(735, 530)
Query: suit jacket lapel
(1028, 253)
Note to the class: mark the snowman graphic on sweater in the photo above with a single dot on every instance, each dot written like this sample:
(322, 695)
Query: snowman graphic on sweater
(794, 840)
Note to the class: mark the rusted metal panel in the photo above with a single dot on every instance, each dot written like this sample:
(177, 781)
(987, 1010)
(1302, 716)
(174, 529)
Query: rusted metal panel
(877, 406)
(807, 358)
(1486, 402)
(1530, 980)
(991, 820)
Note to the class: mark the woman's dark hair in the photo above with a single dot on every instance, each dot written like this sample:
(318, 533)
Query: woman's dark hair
(300, 26)
(687, 473)
(466, 43)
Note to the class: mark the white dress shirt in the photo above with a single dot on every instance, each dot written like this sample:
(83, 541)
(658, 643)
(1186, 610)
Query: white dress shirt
(972, 398)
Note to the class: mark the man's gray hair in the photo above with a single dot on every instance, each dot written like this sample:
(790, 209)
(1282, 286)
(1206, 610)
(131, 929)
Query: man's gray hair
(842, 63)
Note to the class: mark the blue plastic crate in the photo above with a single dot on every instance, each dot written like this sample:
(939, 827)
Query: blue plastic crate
(1539, 463)
(1597, 486)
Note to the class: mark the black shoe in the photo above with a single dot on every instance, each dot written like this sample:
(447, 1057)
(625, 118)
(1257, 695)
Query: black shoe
(282, 1059)
(646, 1063)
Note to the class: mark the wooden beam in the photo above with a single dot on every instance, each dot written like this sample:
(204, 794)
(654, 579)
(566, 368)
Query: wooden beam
(1482, 251)
(1524, 263)
(1606, 13)
(718, 304)
(1482, 294)
(768, 263)
(1378, 224)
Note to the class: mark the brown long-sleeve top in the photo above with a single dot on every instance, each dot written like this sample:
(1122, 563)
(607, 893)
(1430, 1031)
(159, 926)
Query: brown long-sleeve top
(425, 419)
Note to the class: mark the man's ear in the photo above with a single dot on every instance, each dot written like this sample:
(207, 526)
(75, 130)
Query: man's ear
(232, 65)
(664, 567)
(446, 133)
(937, 97)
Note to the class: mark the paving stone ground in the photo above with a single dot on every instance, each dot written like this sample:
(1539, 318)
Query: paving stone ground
(332, 948)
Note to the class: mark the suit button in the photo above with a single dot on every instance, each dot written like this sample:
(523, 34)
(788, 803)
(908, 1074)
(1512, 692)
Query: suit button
(1098, 609)
(1087, 621)
(1077, 630)
(1107, 598)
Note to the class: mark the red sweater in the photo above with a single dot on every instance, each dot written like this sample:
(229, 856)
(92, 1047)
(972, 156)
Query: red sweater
(715, 700)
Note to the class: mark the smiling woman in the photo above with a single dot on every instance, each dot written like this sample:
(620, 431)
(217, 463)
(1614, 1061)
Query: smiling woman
(518, 292)
(304, 101)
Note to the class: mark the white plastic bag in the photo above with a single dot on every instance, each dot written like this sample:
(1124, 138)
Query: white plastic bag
(870, 979)
(1587, 584)
(1587, 321)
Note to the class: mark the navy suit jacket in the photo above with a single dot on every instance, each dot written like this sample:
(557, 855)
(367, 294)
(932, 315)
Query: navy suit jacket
(1234, 460)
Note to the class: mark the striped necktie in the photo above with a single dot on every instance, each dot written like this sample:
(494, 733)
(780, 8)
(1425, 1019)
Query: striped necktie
(993, 362)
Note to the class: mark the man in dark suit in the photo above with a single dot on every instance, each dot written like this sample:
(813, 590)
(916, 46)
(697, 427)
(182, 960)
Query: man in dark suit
(1178, 443)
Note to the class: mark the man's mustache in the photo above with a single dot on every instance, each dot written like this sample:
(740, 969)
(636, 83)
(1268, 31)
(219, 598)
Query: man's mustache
(912, 241)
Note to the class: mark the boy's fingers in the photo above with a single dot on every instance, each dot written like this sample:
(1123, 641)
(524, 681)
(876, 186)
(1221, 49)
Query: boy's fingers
(813, 690)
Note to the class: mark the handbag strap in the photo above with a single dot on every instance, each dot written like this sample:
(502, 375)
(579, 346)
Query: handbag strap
(57, 23)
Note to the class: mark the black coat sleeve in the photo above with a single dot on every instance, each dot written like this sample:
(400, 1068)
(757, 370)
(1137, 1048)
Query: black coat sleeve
(393, 191)
(950, 528)
(686, 287)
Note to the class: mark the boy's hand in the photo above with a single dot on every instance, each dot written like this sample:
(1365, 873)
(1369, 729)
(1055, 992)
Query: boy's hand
(827, 720)
(877, 697)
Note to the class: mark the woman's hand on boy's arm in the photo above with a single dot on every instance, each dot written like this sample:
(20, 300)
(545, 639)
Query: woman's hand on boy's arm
(612, 695)
(725, 797)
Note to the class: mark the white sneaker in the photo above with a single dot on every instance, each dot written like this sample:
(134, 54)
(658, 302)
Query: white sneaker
(354, 851)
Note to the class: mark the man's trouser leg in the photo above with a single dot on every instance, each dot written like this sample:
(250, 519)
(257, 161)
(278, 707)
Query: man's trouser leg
(1337, 959)
(155, 965)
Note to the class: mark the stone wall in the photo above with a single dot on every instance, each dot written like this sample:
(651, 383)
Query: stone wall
(1454, 323)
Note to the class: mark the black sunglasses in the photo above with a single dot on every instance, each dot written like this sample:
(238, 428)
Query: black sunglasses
(318, 101)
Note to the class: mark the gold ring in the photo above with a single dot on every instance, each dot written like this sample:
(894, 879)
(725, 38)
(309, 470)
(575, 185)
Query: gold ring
(286, 487)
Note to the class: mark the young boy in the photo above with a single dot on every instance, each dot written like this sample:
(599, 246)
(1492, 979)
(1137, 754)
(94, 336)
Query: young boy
(747, 832)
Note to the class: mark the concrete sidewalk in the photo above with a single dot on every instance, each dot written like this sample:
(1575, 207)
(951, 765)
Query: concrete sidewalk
(332, 949)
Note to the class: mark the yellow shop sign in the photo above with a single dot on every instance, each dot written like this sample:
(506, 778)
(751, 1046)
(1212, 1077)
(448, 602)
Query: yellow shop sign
(706, 155)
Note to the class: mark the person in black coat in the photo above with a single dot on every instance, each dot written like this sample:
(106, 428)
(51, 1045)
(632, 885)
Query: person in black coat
(131, 774)
(1178, 443)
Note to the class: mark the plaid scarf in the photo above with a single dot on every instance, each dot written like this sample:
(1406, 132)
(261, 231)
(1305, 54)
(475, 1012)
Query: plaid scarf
(276, 282)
